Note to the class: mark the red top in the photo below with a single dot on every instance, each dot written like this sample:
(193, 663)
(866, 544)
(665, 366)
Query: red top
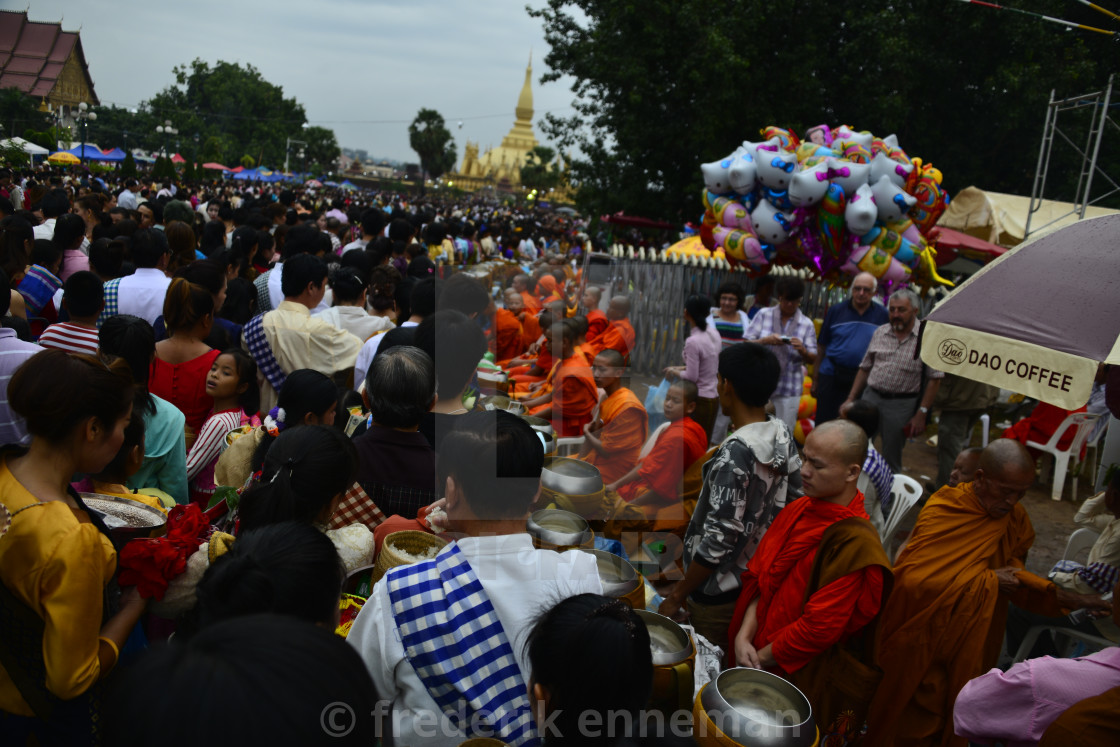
(184, 385)
(778, 573)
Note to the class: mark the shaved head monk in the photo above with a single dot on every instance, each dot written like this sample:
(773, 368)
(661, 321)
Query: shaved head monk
(597, 321)
(506, 336)
(944, 622)
(817, 577)
(619, 334)
(531, 302)
(572, 394)
(614, 439)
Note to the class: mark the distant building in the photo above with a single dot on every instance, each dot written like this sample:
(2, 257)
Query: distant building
(46, 63)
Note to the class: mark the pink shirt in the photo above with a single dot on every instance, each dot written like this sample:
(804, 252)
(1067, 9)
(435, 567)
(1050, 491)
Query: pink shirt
(73, 260)
(701, 359)
(1016, 707)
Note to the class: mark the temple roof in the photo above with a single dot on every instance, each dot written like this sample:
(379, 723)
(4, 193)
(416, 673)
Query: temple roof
(33, 54)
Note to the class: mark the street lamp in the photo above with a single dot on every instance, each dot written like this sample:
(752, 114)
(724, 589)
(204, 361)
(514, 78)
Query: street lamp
(288, 151)
(84, 116)
(166, 129)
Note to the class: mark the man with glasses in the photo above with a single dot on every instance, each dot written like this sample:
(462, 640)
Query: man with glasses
(841, 344)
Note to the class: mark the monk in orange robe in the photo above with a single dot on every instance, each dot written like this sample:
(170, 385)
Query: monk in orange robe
(613, 441)
(506, 339)
(573, 394)
(530, 325)
(597, 321)
(944, 622)
(654, 484)
(534, 365)
(784, 620)
(548, 289)
(531, 302)
(620, 334)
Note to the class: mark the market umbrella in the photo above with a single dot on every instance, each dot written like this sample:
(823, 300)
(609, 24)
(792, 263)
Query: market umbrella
(215, 166)
(313, 183)
(63, 158)
(1038, 319)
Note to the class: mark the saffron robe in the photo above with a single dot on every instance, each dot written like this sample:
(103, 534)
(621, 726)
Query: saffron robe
(532, 303)
(944, 622)
(618, 336)
(1091, 722)
(796, 629)
(506, 336)
(623, 434)
(677, 448)
(597, 323)
(574, 396)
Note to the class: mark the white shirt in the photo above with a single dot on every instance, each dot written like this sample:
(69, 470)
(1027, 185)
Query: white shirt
(365, 355)
(45, 230)
(276, 294)
(356, 321)
(359, 244)
(142, 293)
(521, 581)
(127, 200)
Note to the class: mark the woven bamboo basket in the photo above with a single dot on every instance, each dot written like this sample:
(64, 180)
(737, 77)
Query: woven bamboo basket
(410, 541)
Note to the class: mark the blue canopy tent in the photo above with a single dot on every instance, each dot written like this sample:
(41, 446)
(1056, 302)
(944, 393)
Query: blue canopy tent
(115, 155)
(248, 175)
(91, 152)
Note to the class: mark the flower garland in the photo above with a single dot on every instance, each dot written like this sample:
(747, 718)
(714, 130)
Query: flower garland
(150, 564)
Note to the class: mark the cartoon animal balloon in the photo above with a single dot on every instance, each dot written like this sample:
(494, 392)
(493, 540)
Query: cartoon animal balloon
(809, 186)
(772, 225)
(775, 169)
(848, 175)
(883, 165)
(892, 202)
(717, 177)
(739, 246)
(743, 174)
(860, 214)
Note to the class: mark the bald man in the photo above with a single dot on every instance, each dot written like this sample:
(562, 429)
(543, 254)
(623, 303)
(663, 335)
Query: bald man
(818, 575)
(614, 439)
(531, 302)
(597, 321)
(843, 340)
(944, 622)
(619, 335)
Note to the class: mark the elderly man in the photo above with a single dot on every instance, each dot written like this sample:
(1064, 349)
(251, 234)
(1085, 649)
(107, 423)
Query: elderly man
(943, 624)
(289, 338)
(619, 335)
(788, 618)
(450, 668)
(792, 337)
(843, 339)
(891, 377)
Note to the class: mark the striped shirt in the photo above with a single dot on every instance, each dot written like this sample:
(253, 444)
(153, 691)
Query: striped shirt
(70, 338)
(729, 332)
(768, 322)
(892, 365)
(13, 353)
(881, 476)
(207, 448)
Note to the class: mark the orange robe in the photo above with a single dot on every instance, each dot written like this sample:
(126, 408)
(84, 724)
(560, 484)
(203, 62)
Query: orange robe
(520, 375)
(778, 576)
(530, 329)
(574, 396)
(618, 336)
(548, 289)
(532, 303)
(944, 622)
(506, 336)
(678, 447)
(623, 434)
(597, 323)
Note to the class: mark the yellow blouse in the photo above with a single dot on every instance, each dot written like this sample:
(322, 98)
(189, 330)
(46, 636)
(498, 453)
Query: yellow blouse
(57, 563)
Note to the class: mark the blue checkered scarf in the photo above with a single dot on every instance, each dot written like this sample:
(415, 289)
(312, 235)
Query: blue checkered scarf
(456, 644)
(111, 291)
(262, 352)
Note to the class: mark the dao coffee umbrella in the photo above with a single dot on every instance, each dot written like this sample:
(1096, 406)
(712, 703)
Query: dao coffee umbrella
(1038, 319)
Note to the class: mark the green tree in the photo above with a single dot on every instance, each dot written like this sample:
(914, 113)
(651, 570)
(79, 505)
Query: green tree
(19, 112)
(322, 146)
(660, 88)
(247, 161)
(128, 165)
(538, 171)
(13, 154)
(429, 137)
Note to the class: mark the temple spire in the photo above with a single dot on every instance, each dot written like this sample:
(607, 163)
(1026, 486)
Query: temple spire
(524, 109)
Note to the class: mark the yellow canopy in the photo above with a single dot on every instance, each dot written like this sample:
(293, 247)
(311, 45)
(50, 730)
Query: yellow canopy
(62, 157)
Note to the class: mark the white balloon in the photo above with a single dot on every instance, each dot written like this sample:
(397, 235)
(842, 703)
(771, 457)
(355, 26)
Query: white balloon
(848, 174)
(860, 213)
(891, 140)
(808, 187)
(771, 224)
(743, 174)
(891, 201)
(846, 134)
(883, 165)
(775, 168)
(716, 174)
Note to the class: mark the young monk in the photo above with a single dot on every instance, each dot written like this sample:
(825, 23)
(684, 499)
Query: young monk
(615, 438)
(620, 334)
(530, 327)
(573, 394)
(532, 368)
(654, 484)
(506, 338)
(597, 321)
(531, 303)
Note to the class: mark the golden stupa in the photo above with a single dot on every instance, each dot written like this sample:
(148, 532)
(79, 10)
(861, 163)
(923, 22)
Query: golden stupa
(500, 167)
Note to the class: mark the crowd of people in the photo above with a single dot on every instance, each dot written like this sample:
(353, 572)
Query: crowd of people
(333, 361)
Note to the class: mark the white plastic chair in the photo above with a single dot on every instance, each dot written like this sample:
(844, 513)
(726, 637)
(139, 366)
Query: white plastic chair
(1076, 643)
(1093, 444)
(905, 494)
(1083, 422)
(1079, 544)
(569, 446)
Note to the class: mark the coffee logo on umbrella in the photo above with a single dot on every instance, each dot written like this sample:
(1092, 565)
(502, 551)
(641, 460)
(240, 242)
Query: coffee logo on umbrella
(952, 351)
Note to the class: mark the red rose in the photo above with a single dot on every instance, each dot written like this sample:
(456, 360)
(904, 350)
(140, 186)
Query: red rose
(151, 564)
(185, 523)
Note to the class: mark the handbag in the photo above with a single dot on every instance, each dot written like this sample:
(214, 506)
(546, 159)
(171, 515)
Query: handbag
(840, 683)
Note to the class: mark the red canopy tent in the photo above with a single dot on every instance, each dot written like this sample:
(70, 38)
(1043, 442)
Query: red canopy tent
(635, 221)
(215, 166)
(952, 244)
(176, 158)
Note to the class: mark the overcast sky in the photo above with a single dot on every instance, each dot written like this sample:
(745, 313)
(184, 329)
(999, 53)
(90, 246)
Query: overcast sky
(360, 67)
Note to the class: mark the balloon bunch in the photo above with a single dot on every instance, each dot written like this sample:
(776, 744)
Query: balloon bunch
(841, 202)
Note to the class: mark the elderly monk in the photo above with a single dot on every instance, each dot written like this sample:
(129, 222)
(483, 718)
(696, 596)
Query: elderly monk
(654, 484)
(818, 575)
(531, 302)
(573, 393)
(944, 622)
(620, 334)
(506, 338)
(597, 321)
(614, 439)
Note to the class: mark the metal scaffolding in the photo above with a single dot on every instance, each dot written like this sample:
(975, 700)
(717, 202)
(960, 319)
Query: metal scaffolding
(1099, 102)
